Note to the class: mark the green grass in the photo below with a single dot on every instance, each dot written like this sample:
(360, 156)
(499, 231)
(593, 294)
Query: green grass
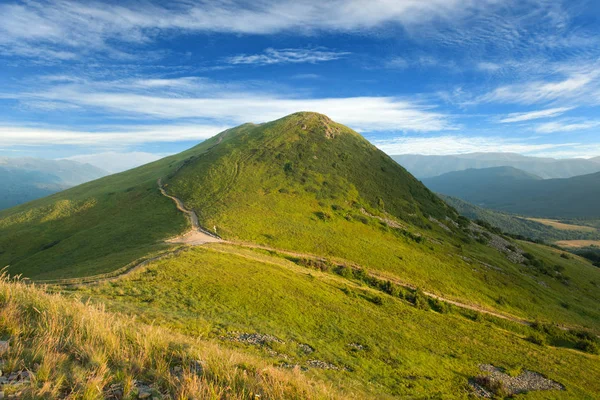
(308, 185)
(409, 352)
(93, 228)
(301, 183)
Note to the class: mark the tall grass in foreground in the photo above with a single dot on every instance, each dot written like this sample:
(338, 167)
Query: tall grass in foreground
(79, 351)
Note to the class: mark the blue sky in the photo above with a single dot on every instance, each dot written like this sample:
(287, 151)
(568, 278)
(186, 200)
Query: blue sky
(120, 83)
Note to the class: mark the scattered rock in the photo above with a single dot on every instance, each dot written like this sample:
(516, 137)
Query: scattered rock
(357, 346)
(322, 365)
(197, 367)
(115, 391)
(306, 348)
(527, 381)
(144, 392)
(388, 221)
(4, 346)
(257, 339)
(512, 253)
(440, 224)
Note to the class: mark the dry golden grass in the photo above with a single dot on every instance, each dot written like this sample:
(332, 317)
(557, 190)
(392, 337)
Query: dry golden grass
(577, 244)
(77, 351)
(562, 226)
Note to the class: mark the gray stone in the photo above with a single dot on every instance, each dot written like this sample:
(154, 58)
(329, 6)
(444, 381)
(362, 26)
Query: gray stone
(4, 346)
(197, 367)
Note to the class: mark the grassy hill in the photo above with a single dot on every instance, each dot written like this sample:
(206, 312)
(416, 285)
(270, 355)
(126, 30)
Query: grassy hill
(526, 227)
(338, 265)
(548, 168)
(26, 179)
(519, 193)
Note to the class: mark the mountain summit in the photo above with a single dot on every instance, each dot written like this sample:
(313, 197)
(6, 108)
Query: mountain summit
(271, 183)
(298, 165)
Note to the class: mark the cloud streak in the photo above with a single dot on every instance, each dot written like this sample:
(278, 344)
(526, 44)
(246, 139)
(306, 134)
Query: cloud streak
(124, 136)
(193, 98)
(459, 144)
(528, 116)
(287, 56)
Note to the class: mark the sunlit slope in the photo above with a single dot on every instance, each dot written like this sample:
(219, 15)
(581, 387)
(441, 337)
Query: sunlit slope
(93, 228)
(305, 183)
(276, 182)
(367, 340)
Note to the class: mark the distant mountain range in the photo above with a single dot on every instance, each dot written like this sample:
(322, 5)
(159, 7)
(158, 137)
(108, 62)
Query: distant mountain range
(547, 168)
(516, 225)
(26, 179)
(511, 190)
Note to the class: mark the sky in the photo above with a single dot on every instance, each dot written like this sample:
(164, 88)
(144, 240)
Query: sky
(121, 83)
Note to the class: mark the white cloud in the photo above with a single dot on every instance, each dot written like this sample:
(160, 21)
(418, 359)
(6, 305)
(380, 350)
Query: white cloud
(113, 162)
(488, 67)
(126, 135)
(572, 87)
(457, 144)
(562, 126)
(84, 27)
(527, 116)
(396, 63)
(288, 56)
(207, 100)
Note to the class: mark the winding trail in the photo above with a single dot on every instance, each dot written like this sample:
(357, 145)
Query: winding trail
(195, 236)
(198, 236)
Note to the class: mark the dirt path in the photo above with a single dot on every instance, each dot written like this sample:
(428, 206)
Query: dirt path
(195, 236)
(473, 307)
(199, 236)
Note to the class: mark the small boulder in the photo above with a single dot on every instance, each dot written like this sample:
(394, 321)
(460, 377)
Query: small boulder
(4, 346)
(197, 367)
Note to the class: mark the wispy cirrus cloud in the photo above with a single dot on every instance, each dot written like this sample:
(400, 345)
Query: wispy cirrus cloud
(537, 92)
(565, 126)
(24, 135)
(197, 98)
(462, 144)
(288, 56)
(532, 115)
(121, 29)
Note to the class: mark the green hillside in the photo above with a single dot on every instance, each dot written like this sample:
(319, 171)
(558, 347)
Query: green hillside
(337, 264)
(26, 179)
(522, 226)
(517, 192)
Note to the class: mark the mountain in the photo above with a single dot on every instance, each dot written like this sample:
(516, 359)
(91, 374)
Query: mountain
(429, 166)
(544, 230)
(297, 251)
(595, 159)
(509, 190)
(26, 179)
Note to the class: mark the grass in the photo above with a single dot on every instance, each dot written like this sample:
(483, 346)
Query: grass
(77, 351)
(563, 226)
(408, 350)
(302, 184)
(94, 228)
(578, 243)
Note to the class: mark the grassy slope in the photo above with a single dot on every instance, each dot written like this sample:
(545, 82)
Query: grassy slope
(296, 189)
(93, 228)
(410, 352)
(76, 351)
(287, 185)
(515, 225)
